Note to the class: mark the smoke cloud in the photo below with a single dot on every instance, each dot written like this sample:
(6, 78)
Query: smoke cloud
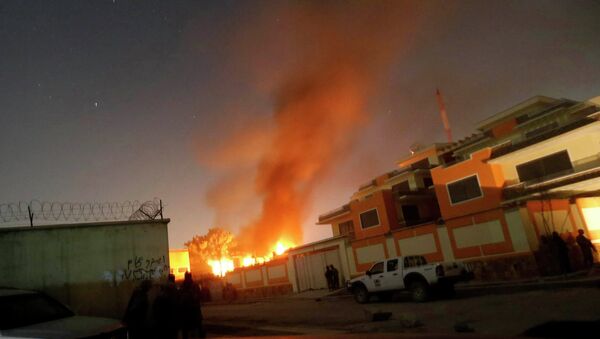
(329, 61)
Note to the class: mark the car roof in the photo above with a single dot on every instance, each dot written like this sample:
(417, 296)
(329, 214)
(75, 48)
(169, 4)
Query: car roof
(4, 292)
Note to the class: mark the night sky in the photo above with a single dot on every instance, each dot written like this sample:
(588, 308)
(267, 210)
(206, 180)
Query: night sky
(123, 100)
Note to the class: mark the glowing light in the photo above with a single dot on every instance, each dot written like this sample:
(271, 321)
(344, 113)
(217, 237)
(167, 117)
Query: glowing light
(227, 264)
(221, 267)
(248, 261)
(282, 246)
(279, 249)
(592, 218)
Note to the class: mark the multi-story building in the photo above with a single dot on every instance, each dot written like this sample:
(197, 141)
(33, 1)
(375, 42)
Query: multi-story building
(487, 199)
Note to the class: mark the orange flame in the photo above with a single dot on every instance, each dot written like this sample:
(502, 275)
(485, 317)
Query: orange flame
(221, 267)
(228, 264)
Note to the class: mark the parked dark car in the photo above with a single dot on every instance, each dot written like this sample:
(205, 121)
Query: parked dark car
(29, 314)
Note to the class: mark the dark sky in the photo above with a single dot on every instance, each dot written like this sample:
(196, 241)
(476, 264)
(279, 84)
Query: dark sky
(109, 100)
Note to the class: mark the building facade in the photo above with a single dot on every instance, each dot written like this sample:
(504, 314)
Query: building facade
(488, 199)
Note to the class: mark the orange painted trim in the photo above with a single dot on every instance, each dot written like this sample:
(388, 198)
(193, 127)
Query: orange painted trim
(421, 230)
(490, 177)
(485, 249)
(255, 283)
(496, 248)
(365, 243)
(273, 281)
(537, 206)
(465, 252)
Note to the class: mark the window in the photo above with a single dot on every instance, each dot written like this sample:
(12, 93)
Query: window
(347, 228)
(421, 164)
(182, 270)
(401, 187)
(464, 189)
(392, 265)
(547, 167)
(427, 182)
(410, 214)
(369, 218)
(414, 261)
(377, 268)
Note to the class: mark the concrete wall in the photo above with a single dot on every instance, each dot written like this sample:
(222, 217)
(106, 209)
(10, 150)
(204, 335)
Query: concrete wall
(92, 267)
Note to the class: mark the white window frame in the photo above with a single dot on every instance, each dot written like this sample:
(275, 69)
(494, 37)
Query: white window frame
(369, 210)
(463, 178)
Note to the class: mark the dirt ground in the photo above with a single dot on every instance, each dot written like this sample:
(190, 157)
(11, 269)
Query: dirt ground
(502, 315)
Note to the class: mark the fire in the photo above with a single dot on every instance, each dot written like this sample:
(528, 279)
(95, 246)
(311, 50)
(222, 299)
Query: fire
(228, 264)
(282, 247)
(248, 261)
(221, 267)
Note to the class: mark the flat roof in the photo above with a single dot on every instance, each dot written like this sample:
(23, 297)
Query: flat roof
(513, 110)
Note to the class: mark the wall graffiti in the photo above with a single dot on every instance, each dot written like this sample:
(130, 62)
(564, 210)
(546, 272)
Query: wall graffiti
(140, 268)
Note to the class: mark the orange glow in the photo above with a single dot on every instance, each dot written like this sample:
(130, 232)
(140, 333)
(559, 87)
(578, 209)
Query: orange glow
(248, 261)
(282, 246)
(228, 264)
(179, 262)
(221, 267)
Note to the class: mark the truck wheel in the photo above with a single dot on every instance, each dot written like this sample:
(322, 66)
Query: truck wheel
(361, 295)
(419, 291)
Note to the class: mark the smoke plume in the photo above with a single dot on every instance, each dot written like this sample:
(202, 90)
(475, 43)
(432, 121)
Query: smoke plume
(334, 58)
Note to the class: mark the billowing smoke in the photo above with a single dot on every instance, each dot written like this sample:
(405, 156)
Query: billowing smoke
(336, 57)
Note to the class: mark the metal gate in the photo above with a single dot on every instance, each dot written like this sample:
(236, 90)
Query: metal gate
(310, 268)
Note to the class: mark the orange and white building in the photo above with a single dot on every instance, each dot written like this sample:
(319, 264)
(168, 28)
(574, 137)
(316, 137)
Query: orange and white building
(487, 200)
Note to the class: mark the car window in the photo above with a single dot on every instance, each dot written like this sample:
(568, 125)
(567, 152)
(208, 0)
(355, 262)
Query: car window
(414, 261)
(27, 309)
(392, 265)
(377, 268)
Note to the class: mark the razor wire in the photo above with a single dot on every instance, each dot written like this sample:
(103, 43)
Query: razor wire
(51, 211)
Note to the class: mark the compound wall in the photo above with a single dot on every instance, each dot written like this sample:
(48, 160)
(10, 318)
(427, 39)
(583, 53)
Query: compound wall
(91, 267)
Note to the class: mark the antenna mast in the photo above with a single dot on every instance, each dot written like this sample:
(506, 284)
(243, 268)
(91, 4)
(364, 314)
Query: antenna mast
(443, 114)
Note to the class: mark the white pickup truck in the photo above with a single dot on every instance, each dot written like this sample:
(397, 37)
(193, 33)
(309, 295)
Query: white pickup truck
(409, 272)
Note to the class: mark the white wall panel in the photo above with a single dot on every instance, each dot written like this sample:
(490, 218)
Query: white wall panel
(369, 254)
(479, 234)
(276, 272)
(421, 244)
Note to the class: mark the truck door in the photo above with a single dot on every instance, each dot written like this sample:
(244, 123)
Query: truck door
(374, 279)
(392, 279)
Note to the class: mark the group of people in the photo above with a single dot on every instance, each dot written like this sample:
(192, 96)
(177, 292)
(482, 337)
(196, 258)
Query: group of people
(333, 278)
(165, 311)
(559, 249)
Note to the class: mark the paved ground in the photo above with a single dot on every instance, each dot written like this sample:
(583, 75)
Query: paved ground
(500, 314)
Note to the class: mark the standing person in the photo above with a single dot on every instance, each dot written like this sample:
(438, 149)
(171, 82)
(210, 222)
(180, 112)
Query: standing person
(335, 277)
(562, 252)
(586, 247)
(328, 277)
(136, 314)
(189, 308)
(165, 310)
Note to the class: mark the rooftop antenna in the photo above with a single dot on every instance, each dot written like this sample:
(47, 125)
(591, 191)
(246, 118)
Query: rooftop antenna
(443, 114)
